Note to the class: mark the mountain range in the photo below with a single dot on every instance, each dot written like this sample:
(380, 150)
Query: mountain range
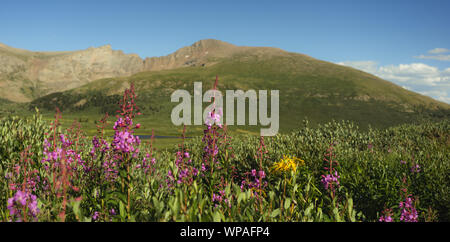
(92, 79)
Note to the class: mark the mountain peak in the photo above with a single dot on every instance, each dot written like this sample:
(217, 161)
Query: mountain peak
(205, 46)
(103, 47)
(211, 43)
(107, 46)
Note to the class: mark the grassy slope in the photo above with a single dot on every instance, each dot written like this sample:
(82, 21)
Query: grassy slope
(309, 89)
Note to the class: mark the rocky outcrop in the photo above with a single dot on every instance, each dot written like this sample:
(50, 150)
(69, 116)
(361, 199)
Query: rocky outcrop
(25, 75)
(201, 53)
(205, 53)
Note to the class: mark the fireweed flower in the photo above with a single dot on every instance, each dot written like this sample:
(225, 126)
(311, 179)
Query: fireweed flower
(415, 168)
(21, 201)
(253, 180)
(186, 172)
(111, 169)
(147, 163)
(330, 179)
(99, 145)
(409, 212)
(211, 138)
(124, 141)
(214, 117)
(261, 174)
(73, 159)
(123, 123)
(386, 217)
(220, 198)
(95, 216)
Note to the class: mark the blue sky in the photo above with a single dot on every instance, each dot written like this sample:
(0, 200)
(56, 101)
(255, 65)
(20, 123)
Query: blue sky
(406, 42)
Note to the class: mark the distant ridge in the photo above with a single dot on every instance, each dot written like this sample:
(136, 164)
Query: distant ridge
(26, 75)
(310, 88)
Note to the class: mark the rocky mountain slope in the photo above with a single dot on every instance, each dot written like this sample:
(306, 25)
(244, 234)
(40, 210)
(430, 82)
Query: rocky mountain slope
(91, 80)
(26, 75)
(203, 53)
(309, 88)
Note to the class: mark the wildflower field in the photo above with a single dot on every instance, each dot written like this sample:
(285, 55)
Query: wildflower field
(333, 172)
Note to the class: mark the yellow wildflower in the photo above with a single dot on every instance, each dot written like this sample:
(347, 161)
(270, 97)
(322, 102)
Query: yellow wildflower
(287, 163)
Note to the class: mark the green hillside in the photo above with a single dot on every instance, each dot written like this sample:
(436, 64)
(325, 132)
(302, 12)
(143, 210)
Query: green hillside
(309, 89)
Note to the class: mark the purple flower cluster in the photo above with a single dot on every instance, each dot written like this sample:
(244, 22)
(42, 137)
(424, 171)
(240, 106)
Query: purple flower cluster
(221, 198)
(409, 212)
(99, 144)
(214, 117)
(147, 163)
(111, 169)
(55, 156)
(21, 201)
(211, 149)
(329, 180)
(415, 168)
(186, 171)
(31, 181)
(211, 137)
(123, 123)
(96, 215)
(254, 181)
(124, 140)
(50, 156)
(387, 213)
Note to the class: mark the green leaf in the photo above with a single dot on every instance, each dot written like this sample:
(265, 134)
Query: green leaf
(337, 217)
(217, 216)
(122, 211)
(76, 209)
(275, 213)
(287, 203)
(241, 197)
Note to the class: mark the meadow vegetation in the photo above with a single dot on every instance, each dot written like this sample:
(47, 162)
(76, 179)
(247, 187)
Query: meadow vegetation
(329, 172)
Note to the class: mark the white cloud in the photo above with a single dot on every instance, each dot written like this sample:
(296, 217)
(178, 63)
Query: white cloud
(436, 54)
(434, 57)
(438, 51)
(407, 88)
(415, 73)
(422, 78)
(367, 66)
(441, 95)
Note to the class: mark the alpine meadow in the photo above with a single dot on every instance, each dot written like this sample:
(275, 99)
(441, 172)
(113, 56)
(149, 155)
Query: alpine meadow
(87, 136)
